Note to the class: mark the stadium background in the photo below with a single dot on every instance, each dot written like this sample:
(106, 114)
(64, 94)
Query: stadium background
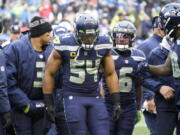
(109, 12)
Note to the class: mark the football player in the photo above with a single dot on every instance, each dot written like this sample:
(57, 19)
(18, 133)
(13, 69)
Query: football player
(80, 55)
(126, 60)
(170, 20)
(61, 125)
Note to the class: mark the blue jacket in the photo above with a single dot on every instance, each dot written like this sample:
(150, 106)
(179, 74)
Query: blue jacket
(21, 58)
(147, 46)
(4, 101)
(157, 57)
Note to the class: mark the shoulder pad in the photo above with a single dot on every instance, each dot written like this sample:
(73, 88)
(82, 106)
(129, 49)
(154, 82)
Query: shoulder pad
(138, 58)
(115, 57)
(104, 39)
(138, 55)
(104, 42)
(63, 39)
(66, 48)
(65, 42)
(160, 52)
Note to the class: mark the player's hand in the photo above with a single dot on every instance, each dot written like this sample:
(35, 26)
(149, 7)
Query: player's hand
(167, 92)
(151, 106)
(35, 109)
(142, 67)
(138, 116)
(6, 119)
(49, 107)
(116, 112)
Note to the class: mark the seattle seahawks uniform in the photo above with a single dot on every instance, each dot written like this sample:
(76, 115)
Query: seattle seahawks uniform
(174, 55)
(80, 83)
(126, 63)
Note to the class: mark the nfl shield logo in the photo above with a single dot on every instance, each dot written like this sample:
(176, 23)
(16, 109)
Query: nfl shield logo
(126, 61)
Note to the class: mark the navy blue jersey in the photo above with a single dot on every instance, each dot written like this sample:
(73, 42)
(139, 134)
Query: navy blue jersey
(126, 69)
(157, 57)
(81, 67)
(175, 61)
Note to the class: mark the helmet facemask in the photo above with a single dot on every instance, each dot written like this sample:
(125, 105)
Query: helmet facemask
(123, 35)
(123, 41)
(87, 38)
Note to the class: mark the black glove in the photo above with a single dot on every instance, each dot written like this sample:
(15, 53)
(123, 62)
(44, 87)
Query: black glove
(6, 119)
(36, 109)
(116, 106)
(49, 107)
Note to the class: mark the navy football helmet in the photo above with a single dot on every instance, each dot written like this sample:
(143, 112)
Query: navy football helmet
(87, 30)
(169, 18)
(66, 24)
(123, 34)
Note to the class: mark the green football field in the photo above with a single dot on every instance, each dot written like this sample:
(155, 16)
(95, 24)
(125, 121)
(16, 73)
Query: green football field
(141, 129)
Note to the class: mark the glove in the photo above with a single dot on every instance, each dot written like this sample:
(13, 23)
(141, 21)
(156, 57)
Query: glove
(116, 112)
(6, 119)
(142, 67)
(138, 117)
(35, 108)
(50, 110)
(116, 106)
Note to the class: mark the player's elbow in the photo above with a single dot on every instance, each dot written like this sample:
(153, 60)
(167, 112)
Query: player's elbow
(110, 73)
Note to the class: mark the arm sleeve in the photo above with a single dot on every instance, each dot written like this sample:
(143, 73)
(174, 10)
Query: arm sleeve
(150, 82)
(17, 96)
(4, 101)
(147, 94)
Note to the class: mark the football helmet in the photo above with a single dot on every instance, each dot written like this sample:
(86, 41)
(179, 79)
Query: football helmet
(66, 24)
(169, 18)
(87, 30)
(58, 30)
(123, 35)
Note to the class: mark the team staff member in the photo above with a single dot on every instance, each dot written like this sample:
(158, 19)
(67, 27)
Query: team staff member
(25, 68)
